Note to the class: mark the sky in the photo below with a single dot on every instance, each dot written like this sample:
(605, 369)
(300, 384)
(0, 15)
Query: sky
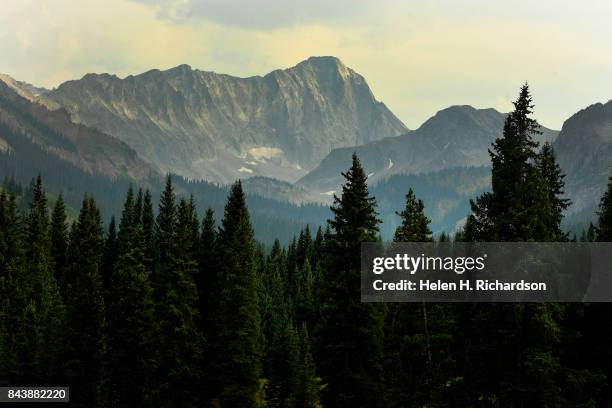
(417, 56)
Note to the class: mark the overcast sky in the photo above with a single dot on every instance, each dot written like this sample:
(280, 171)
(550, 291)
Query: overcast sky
(418, 56)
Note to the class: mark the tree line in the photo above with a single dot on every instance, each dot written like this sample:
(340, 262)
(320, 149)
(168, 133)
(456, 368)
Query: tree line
(167, 308)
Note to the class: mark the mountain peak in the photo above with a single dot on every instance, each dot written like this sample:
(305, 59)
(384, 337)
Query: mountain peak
(180, 69)
(323, 60)
(219, 127)
(325, 65)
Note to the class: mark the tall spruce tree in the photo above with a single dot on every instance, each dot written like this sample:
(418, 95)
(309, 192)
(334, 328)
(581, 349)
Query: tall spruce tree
(237, 333)
(418, 336)
(129, 358)
(148, 229)
(415, 224)
(109, 256)
(506, 362)
(512, 211)
(59, 237)
(309, 384)
(351, 332)
(273, 302)
(554, 188)
(85, 303)
(45, 310)
(176, 307)
(12, 293)
(284, 365)
(207, 277)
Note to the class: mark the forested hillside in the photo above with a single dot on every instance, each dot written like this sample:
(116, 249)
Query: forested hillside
(75, 160)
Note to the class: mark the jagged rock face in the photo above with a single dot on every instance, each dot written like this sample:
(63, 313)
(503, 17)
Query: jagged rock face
(459, 136)
(584, 152)
(218, 127)
(23, 89)
(88, 149)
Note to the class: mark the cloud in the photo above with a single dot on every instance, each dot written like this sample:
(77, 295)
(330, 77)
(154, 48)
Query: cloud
(258, 14)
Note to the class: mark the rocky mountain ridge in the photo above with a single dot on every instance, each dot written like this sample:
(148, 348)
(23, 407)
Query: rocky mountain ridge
(458, 136)
(218, 127)
(584, 152)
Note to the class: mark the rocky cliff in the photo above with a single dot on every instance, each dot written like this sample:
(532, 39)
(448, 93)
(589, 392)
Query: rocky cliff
(88, 149)
(584, 152)
(218, 127)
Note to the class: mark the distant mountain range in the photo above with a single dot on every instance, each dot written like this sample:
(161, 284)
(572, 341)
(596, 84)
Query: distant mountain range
(288, 135)
(584, 152)
(459, 136)
(205, 125)
(75, 160)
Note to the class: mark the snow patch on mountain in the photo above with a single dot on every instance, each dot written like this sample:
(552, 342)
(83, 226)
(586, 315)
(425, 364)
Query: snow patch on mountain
(263, 153)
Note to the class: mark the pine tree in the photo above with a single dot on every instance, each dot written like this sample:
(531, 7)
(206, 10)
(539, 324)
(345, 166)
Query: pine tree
(304, 247)
(38, 248)
(415, 225)
(292, 268)
(208, 264)
(309, 384)
(273, 302)
(59, 237)
(517, 207)
(129, 357)
(444, 237)
(237, 335)
(148, 229)
(85, 304)
(418, 336)
(317, 248)
(284, 365)
(305, 311)
(553, 184)
(109, 257)
(591, 234)
(177, 300)
(524, 205)
(351, 333)
(12, 296)
(138, 206)
(46, 312)
(604, 220)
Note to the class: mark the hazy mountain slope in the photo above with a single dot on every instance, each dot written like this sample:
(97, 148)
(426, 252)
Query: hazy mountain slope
(584, 152)
(281, 191)
(75, 160)
(446, 195)
(218, 127)
(24, 89)
(459, 136)
(86, 148)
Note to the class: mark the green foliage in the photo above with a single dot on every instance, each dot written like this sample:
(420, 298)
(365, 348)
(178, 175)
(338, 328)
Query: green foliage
(525, 203)
(351, 332)
(59, 237)
(180, 342)
(129, 356)
(83, 292)
(170, 311)
(237, 334)
(415, 225)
